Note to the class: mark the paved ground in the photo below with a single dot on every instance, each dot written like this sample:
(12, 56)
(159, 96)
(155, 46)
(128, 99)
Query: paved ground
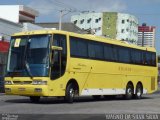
(83, 105)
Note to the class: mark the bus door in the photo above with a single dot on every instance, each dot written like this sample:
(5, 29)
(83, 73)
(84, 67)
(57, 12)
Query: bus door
(59, 56)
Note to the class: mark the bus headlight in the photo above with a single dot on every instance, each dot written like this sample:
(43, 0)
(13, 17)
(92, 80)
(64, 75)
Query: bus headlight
(39, 82)
(8, 83)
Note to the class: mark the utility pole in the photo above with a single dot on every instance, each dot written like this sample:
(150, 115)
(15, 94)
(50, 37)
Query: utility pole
(60, 19)
(62, 14)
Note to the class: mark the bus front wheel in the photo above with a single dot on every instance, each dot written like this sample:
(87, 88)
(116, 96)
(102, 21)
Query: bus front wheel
(70, 93)
(34, 99)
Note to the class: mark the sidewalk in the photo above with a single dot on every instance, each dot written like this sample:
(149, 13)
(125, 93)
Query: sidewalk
(2, 94)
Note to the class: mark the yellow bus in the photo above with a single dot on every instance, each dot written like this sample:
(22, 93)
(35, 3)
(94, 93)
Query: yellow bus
(53, 63)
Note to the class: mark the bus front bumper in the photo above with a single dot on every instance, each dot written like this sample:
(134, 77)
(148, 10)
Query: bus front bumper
(27, 90)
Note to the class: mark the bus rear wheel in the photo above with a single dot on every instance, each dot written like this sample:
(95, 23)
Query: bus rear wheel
(129, 91)
(70, 93)
(139, 91)
(34, 99)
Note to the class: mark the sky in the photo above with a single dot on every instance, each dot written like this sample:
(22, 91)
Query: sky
(147, 11)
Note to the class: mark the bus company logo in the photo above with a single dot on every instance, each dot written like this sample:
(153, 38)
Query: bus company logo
(9, 117)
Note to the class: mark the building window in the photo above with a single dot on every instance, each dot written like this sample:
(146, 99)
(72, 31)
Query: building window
(127, 29)
(107, 18)
(122, 31)
(75, 22)
(82, 21)
(99, 19)
(99, 28)
(127, 20)
(89, 20)
(123, 21)
(96, 20)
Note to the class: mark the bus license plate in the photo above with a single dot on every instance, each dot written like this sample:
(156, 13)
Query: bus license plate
(21, 89)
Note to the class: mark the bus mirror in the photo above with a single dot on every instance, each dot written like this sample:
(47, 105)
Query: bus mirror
(57, 48)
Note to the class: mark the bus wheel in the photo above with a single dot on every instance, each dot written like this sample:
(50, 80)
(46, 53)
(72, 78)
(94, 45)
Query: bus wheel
(70, 93)
(34, 99)
(139, 91)
(96, 97)
(129, 91)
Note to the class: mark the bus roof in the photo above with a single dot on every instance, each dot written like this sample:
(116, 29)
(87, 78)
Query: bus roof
(86, 36)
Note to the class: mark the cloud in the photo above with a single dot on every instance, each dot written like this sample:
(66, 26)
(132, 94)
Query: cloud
(47, 6)
(108, 5)
(52, 7)
(43, 6)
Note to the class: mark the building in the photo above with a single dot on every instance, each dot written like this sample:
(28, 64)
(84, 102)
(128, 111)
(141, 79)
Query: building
(65, 26)
(159, 73)
(4, 46)
(7, 28)
(114, 25)
(13, 18)
(146, 35)
(16, 18)
(18, 13)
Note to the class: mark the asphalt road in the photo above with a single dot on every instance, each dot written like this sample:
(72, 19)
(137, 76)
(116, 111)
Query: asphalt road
(82, 105)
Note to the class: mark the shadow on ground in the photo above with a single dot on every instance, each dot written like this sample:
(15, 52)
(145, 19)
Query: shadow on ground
(54, 100)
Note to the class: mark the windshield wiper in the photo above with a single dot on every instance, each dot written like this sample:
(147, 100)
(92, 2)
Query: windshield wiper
(28, 69)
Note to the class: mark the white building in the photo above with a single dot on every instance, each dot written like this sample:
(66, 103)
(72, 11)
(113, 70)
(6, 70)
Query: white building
(127, 28)
(18, 13)
(7, 28)
(89, 21)
(16, 18)
(114, 25)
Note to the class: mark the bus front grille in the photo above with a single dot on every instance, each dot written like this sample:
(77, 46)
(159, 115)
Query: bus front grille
(22, 82)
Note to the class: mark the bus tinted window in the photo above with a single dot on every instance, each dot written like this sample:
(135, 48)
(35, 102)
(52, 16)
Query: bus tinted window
(84, 48)
(95, 50)
(148, 58)
(136, 56)
(124, 55)
(99, 51)
(78, 47)
(153, 59)
(108, 52)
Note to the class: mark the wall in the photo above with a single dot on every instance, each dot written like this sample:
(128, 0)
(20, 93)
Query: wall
(10, 12)
(129, 27)
(7, 28)
(109, 24)
(159, 73)
(96, 26)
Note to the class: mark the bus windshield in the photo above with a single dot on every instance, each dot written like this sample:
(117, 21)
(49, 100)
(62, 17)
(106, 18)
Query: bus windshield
(28, 56)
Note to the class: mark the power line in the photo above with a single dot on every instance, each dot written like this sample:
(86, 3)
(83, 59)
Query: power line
(65, 5)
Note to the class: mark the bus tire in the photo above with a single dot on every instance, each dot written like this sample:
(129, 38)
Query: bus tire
(34, 99)
(139, 91)
(70, 93)
(129, 91)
